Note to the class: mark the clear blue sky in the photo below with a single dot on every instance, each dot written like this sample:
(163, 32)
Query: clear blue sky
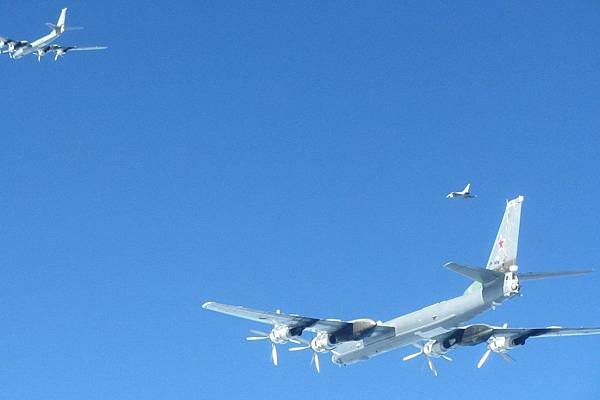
(296, 156)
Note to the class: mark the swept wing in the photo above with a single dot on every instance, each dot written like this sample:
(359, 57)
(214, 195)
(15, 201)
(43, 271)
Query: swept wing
(471, 335)
(499, 340)
(88, 48)
(294, 321)
(524, 333)
(61, 51)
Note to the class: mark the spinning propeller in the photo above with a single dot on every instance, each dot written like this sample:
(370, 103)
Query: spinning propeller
(497, 345)
(264, 336)
(322, 343)
(279, 334)
(427, 351)
(314, 359)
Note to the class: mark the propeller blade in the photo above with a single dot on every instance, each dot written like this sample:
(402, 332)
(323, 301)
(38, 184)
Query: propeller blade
(317, 363)
(431, 366)
(445, 357)
(410, 357)
(251, 338)
(484, 358)
(259, 333)
(506, 357)
(274, 354)
(298, 348)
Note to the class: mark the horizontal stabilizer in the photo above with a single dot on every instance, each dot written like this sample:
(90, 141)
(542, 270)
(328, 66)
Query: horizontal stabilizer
(67, 28)
(477, 274)
(532, 276)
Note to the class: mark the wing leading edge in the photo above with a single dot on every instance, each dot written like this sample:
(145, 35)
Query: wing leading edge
(478, 333)
(522, 333)
(292, 320)
(499, 340)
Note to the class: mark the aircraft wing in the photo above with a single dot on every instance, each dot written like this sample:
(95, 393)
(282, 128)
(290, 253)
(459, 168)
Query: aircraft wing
(524, 333)
(61, 50)
(4, 41)
(471, 335)
(75, 48)
(291, 320)
(15, 44)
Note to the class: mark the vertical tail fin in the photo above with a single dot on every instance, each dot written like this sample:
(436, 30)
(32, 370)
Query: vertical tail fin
(61, 19)
(467, 188)
(60, 27)
(504, 251)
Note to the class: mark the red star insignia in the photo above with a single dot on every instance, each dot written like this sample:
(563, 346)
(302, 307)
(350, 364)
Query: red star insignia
(501, 243)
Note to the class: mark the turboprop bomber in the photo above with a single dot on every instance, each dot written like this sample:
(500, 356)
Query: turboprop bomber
(17, 49)
(434, 330)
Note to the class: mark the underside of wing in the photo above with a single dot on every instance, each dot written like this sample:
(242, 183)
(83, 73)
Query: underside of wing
(266, 317)
(88, 48)
(344, 328)
(292, 320)
(532, 276)
(472, 335)
(549, 331)
(11, 44)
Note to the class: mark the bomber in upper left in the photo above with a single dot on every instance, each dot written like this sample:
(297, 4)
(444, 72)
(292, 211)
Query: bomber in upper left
(40, 47)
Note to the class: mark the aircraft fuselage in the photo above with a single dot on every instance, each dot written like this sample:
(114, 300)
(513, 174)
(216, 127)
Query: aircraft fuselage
(427, 322)
(35, 45)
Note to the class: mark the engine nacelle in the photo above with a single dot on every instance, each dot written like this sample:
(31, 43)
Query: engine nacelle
(323, 342)
(281, 334)
(500, 344)
(362, 327)
(357, 329)
(434, 348)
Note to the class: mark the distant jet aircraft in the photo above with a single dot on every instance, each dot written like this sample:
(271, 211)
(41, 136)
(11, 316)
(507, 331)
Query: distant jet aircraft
(434, 330)
(465, 194)
(40, 47)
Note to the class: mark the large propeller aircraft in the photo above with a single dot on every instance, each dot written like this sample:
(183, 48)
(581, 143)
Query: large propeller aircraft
(17, 49)
(433, 330)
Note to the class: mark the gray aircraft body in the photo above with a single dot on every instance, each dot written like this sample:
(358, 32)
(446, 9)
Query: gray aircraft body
(434, 330)
(17, 49)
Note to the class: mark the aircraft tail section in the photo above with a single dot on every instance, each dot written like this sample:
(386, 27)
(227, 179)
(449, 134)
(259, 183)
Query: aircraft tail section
(467, 188)
(61, 19)
(480, 275)
(60, 26)
(504, 251)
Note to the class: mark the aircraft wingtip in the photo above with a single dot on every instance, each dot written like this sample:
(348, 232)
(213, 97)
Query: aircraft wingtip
(207, 304)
